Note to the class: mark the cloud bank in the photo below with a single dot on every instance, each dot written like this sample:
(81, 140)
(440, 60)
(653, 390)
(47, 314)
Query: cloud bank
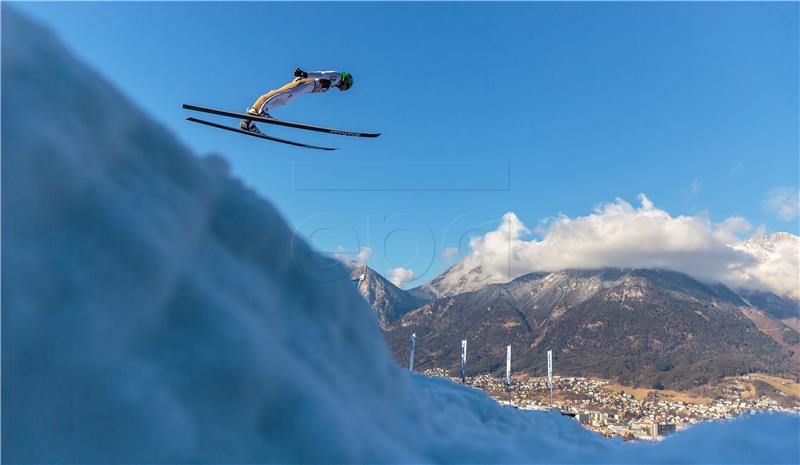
(618, 234)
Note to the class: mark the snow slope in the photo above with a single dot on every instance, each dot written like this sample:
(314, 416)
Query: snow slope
(156, 310)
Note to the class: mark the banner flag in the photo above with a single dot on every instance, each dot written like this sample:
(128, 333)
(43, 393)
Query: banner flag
(508, 365)
(411, 352)
(463, 358)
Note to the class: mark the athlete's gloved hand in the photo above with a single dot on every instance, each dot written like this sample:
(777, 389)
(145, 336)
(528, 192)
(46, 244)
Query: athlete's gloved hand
(300, 73)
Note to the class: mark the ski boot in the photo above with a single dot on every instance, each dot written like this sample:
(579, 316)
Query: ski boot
(248, 124)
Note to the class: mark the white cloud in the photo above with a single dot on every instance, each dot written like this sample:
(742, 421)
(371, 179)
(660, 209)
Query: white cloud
(783, 202)
(400, 275)
(736, 168)
(362, 257)
(696, 187)
(618, 234)
(730, 230)
(353, 259)
(450, 254)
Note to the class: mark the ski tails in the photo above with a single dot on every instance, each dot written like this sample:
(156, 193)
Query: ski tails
(256, 134)
(279, 122)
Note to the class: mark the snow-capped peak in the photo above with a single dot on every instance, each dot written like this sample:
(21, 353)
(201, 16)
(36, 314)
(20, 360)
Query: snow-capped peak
(776, 266)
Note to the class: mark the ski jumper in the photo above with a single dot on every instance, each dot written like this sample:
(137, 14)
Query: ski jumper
(317, 81)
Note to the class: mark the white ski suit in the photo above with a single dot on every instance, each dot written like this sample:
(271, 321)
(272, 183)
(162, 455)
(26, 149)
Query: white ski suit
(317, 81)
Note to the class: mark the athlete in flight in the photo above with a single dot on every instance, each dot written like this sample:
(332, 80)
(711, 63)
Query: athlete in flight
(303, 83)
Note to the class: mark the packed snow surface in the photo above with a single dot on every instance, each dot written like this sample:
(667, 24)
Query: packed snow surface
(156, 310)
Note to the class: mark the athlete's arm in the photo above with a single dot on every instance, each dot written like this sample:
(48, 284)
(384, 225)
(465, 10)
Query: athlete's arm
(321, 85)
(333, 76)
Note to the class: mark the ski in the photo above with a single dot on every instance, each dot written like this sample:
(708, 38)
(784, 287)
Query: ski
(255, 134)
(278, 122)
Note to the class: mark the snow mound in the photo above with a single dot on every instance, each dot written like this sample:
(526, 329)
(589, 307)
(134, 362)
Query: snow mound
(156, 310)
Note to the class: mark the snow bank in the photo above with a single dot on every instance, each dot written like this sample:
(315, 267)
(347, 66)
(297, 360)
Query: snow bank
(156, 310)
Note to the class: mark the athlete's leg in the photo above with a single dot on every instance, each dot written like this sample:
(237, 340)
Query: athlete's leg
(276, 98)
(283, 95)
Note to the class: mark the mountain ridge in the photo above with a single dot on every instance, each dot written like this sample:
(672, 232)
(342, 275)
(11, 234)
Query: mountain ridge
(649, 327)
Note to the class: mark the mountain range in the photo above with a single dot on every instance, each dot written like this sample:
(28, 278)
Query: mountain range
(645, 327)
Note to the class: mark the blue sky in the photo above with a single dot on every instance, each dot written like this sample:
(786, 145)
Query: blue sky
(536, 108)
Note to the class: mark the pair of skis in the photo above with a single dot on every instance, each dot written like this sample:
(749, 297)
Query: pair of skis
(274, 121)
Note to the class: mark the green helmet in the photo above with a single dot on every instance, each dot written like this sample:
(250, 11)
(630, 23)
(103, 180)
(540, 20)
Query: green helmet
(347, 81)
